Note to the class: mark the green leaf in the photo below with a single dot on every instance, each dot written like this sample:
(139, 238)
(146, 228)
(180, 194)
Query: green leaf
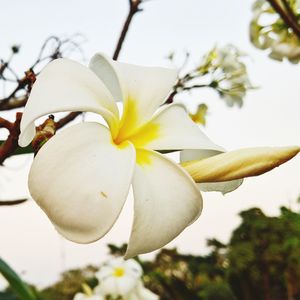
(17, 285)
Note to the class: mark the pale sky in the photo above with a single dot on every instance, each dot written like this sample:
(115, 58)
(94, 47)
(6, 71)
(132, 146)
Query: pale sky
(270, 117)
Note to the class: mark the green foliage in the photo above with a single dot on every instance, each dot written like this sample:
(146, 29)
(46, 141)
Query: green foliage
(264, 256)
(261, 262)
(70, 284)
(19, 287)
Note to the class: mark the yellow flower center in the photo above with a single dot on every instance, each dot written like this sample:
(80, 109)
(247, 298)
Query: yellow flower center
(119, 272)
(139, 136)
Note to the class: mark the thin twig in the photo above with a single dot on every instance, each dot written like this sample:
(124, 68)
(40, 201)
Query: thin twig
(287, 15)
(68, 118)
(133, 9)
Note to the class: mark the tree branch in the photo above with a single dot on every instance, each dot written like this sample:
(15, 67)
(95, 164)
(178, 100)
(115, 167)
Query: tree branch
(287, 15)
(13, 103)
(65, 120)
(133, 9)
(11, 144)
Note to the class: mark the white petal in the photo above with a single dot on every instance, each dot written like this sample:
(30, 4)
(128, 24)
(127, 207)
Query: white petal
(81, 296)
(65, 85)
(107, 286)
(223, 187)
(116, 286)
(144, 89)
(125, 285)
(172, 129)
(133, 268)
(103, 67)
(81, 180)
(166, 201)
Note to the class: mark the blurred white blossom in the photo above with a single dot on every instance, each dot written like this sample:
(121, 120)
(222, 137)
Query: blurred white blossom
(268, 31)
(228, 72)
(120, 278)
(81, 296)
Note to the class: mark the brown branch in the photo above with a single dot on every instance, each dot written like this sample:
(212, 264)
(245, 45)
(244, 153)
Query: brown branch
(287, 15)
(11, 144)
(179, 87)
(27, 81)
(14, 103)
(16, 100)
(5, 124)
(133, 9)
(11, 101)
(68, 118)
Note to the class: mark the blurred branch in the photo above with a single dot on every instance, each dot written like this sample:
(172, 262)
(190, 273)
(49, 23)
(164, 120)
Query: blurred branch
(52, 48)
(11, 144)
(179, 87)
(14, 102)
(133, 9)
(12, 202)
(68, 118)
(287, 14)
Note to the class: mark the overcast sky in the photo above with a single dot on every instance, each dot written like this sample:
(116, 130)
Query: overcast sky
(270, 116)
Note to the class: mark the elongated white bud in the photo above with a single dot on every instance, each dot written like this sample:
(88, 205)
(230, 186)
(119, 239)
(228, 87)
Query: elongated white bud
(239, 163)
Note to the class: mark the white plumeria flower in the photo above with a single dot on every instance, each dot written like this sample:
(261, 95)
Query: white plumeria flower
(118, 277)
(82, 175)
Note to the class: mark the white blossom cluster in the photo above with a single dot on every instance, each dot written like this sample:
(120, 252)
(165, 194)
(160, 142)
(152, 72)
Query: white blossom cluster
(118, 279)
(268, 31)
(229, 73)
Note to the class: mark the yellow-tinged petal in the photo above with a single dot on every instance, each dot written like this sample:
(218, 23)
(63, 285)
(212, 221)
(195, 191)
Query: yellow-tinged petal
(239, 164)
(225, 186)
(172, 129)
(142, 89)
(81, 180)
(166, 201)
(65, 85)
